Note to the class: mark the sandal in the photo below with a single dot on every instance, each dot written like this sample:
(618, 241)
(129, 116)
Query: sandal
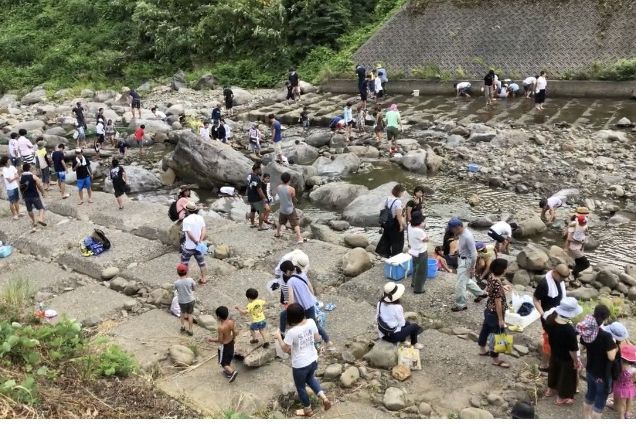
(304, 413)
(501, 364)
(326, 403)
(484, 353)
(202, 282)
(564, 402)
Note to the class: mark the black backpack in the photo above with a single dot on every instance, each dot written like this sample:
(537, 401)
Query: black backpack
(98, 235)
(385, 217)
(173, 214)
(488, 79)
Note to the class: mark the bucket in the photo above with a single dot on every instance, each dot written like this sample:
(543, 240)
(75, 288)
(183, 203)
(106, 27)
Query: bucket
(416, 93)
(473, 167)
(431, 270)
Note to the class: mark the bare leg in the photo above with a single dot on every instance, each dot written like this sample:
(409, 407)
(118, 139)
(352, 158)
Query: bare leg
(202, 277)
(90, 194)
(32, 216)
(42, 216)
(182, 318)
(190, 321)
(81, 196)
(587, 411)
(299, 236)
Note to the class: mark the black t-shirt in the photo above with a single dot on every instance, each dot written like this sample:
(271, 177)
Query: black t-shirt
(293, 79)
(79, 113)
(58, 161)
(541, 293)
(116, 174)
(597, 362)
(448, 238)
(417, 206)
(227, 93)
(82, 171)
(562, 340)
(488, 79)
(134, 94)
(252, 189)
(362, 73)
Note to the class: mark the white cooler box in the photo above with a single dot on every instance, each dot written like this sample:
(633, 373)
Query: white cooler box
(513, 318)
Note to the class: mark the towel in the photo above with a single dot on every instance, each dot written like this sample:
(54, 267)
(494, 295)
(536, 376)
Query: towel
(553, 291)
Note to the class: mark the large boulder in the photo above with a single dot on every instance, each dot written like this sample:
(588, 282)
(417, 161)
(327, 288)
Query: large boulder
(208, 164)
(53, 140)
(178, 81)
(139, 179)
(206, 81)
(364, 151)
(181, 355)
(36, 96)
(319, 139)
(531, 227)
(382, 355)
(301, 153)
(259, 357)
(433, 162)
(414, 161)
(241, 96)
(152, 126)
(364, 210)
(337, 195)
(234, 207)
(32, 125)
(533, 258)
(275, 170)
(355, 262)
(337, 165)
(475, 414)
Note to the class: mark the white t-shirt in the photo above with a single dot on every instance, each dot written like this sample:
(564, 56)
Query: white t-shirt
(195, 224)
(418, 240)
(160, 115)
(99, 128)
(392, 314)
(7, 173)
(503, 92)
(13, 148)
(205, 133)
(555, 202)
(529, 81)
(301, 339)
(502, 228)
(378, 84)
(228, 131)
(25, 146)
(394, 203)
(463, 85)
(542, 83)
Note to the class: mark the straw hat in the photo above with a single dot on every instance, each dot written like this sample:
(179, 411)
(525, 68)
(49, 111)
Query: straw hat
(191, 207)
(393, 292)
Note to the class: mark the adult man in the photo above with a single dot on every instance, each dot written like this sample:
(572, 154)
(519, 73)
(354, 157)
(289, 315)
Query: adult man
(277, 136)
(294, 81)
(134, 99)
(11, 177)
(361, 72)
(466, 266)
(195, 232)
(26, 148)
(216, 115)
(256, 197)
(158, 114)
(14, 152)
(287, 212)
(228, 96)
(548, 207)
(489, 91)
(501, 233)
(528, 85)
(31, 187)
(462, 89)
(82, 168)
(78, 111)
(100, 115)
(393, 125)
(59, 167)
(548, 295)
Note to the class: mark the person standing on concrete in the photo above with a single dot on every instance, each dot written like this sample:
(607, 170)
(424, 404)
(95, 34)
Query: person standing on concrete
(59, 166)
(277, 137)
(393, 126)
(82, 168)
(539, 96)
(287, 212)
(489, 81)
(11, 178)
(466, 266)
(31, 187)
(195, 232)
(384, 77)
(529, 85)
(361, 72)
(185, 287)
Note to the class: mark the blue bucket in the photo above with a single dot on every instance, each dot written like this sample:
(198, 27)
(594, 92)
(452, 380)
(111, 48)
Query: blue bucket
(431, 270)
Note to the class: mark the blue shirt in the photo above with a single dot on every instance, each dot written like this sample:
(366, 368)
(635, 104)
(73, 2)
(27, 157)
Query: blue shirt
(302, 294)
(384, 77)
(278, 131)
(514, 87)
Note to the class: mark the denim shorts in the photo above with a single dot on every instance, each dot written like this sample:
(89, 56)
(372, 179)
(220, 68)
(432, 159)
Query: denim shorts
(84, 183)
(13, 196)
(256, 326)
(61, 176)
(597, 393)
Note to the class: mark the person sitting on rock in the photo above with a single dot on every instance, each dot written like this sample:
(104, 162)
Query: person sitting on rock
(392, 326)
(438, 255)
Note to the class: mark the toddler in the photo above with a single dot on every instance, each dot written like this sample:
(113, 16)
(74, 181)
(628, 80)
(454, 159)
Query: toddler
(255, 310)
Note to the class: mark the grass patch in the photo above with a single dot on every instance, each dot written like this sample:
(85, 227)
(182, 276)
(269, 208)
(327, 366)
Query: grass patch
(16, 299)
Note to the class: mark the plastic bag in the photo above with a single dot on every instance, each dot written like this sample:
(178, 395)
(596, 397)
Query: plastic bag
(175, 309)
(409, 357)
(503, 343)
(517, 301)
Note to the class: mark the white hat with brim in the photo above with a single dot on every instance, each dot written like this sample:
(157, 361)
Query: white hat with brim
(569, 308)
(617, 330)
(393, 292)
(299, 259)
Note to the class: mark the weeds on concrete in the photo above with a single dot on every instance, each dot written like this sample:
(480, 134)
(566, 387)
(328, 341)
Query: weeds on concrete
(16, 298)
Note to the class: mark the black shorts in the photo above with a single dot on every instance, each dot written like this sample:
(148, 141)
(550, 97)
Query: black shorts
(136, 104)
(379, 94)
(351, 124)
(100, 138)
(33, 202)
(226, 354)
(187, 308)
(363, 95)
(496, 237)
(119, 187)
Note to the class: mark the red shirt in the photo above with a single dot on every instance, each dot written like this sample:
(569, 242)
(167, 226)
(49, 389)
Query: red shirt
(139, 134)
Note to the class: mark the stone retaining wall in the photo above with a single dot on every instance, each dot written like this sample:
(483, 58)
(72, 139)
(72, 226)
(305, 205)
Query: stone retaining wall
(520, 37)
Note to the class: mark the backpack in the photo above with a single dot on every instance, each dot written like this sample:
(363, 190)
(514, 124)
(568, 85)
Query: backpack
(173, 214)
(98, 235)
(488, 79)
(382, 325)
(385, 215)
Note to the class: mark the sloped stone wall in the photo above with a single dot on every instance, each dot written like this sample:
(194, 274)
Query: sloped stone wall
(520, 37)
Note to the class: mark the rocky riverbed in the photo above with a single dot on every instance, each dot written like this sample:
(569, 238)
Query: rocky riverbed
(125, 292)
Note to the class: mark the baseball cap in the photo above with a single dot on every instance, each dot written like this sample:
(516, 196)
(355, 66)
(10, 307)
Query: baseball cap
(455, 222)
(182, 268)
(480, 245)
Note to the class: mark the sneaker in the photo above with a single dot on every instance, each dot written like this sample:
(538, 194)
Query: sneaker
(459, 308)
(233, 376)
(418, 346)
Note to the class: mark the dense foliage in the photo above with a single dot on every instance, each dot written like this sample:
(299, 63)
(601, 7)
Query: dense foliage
(104, 42)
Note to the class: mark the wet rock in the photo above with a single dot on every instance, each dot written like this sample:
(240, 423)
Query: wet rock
(619, 218)
(533, 258)
(584, 293)
(627, 279)
(408, 144)
(333, 371)
(382, 355)
(355, 262)
(339, 165)
(394, 399)
(109, 273)
(319, 139)
(481, 137)
(259, 357)
(337, 195)
(337, 225)
(474, 414)
(607, 278)
(356, 240)
(400, 372)
(473, 200)
(349, 377)
(181, 355)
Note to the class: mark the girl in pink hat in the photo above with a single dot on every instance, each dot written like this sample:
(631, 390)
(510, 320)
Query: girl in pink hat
(624, 390)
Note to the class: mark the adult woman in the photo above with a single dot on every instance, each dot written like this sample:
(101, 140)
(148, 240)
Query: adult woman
(575, 236)
(494, 312)
(392, 326)
(392, 241)
(418, 243)
(564, 358)
(539, 97)
(182, 200)
(299, 290)
(601, 351)
(416, 203)
(120, 182)
(379, 123)
(299, 341)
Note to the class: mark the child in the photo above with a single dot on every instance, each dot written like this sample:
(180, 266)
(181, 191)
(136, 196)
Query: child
(79, 136)
(624, 390)
(348, 118)
(255, 309)
(254, 136)
(184, 287)
(122, 145)
(204, 131)
(139, 138)
(99, 131)
(304, 118)
(438, 255)
(418, 243)
(44, 162)
(361, 119)
(110, 132)
(226, 335)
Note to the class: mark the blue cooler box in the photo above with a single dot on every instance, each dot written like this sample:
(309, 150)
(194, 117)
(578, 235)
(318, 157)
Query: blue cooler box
(398, 267)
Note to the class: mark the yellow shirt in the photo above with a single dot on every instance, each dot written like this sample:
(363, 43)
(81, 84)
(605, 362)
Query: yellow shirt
(255, 308)
(489, 254)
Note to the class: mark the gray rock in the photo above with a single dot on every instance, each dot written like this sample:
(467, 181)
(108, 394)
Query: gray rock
(275, 170)
(521, 277)
(533, 258)
(341, 165)
(481, 137)
(584, 293)
(611, 135)
(337, 195)
(131, 289)
(91, 321)
(118, 284)
(139, 180)
(413, 161)
(110, 272)
(259, 357)
(627, 279)
(382, 355)
(34, 97)
(178, 81)
(356, 240)
(208, 322)
(624, 123)
(522, 349)
(32, 125)
(206, 82)
(181, 355)
(425, 409)
(241, 96)
(160, 296)
(130, 304)
(631, 294)
(364, 210)
(333, 371)
(364, 151)
(337, 225)
(495, 399)
(394, 399)
(434, 162)
(454, 140)
(620, 218)
(301, 153)
(324, 233)
(559, 256)
(349, 377)
(475, 414)
(355, 262)
(319, 139)
(607, 278)
(531, 227)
